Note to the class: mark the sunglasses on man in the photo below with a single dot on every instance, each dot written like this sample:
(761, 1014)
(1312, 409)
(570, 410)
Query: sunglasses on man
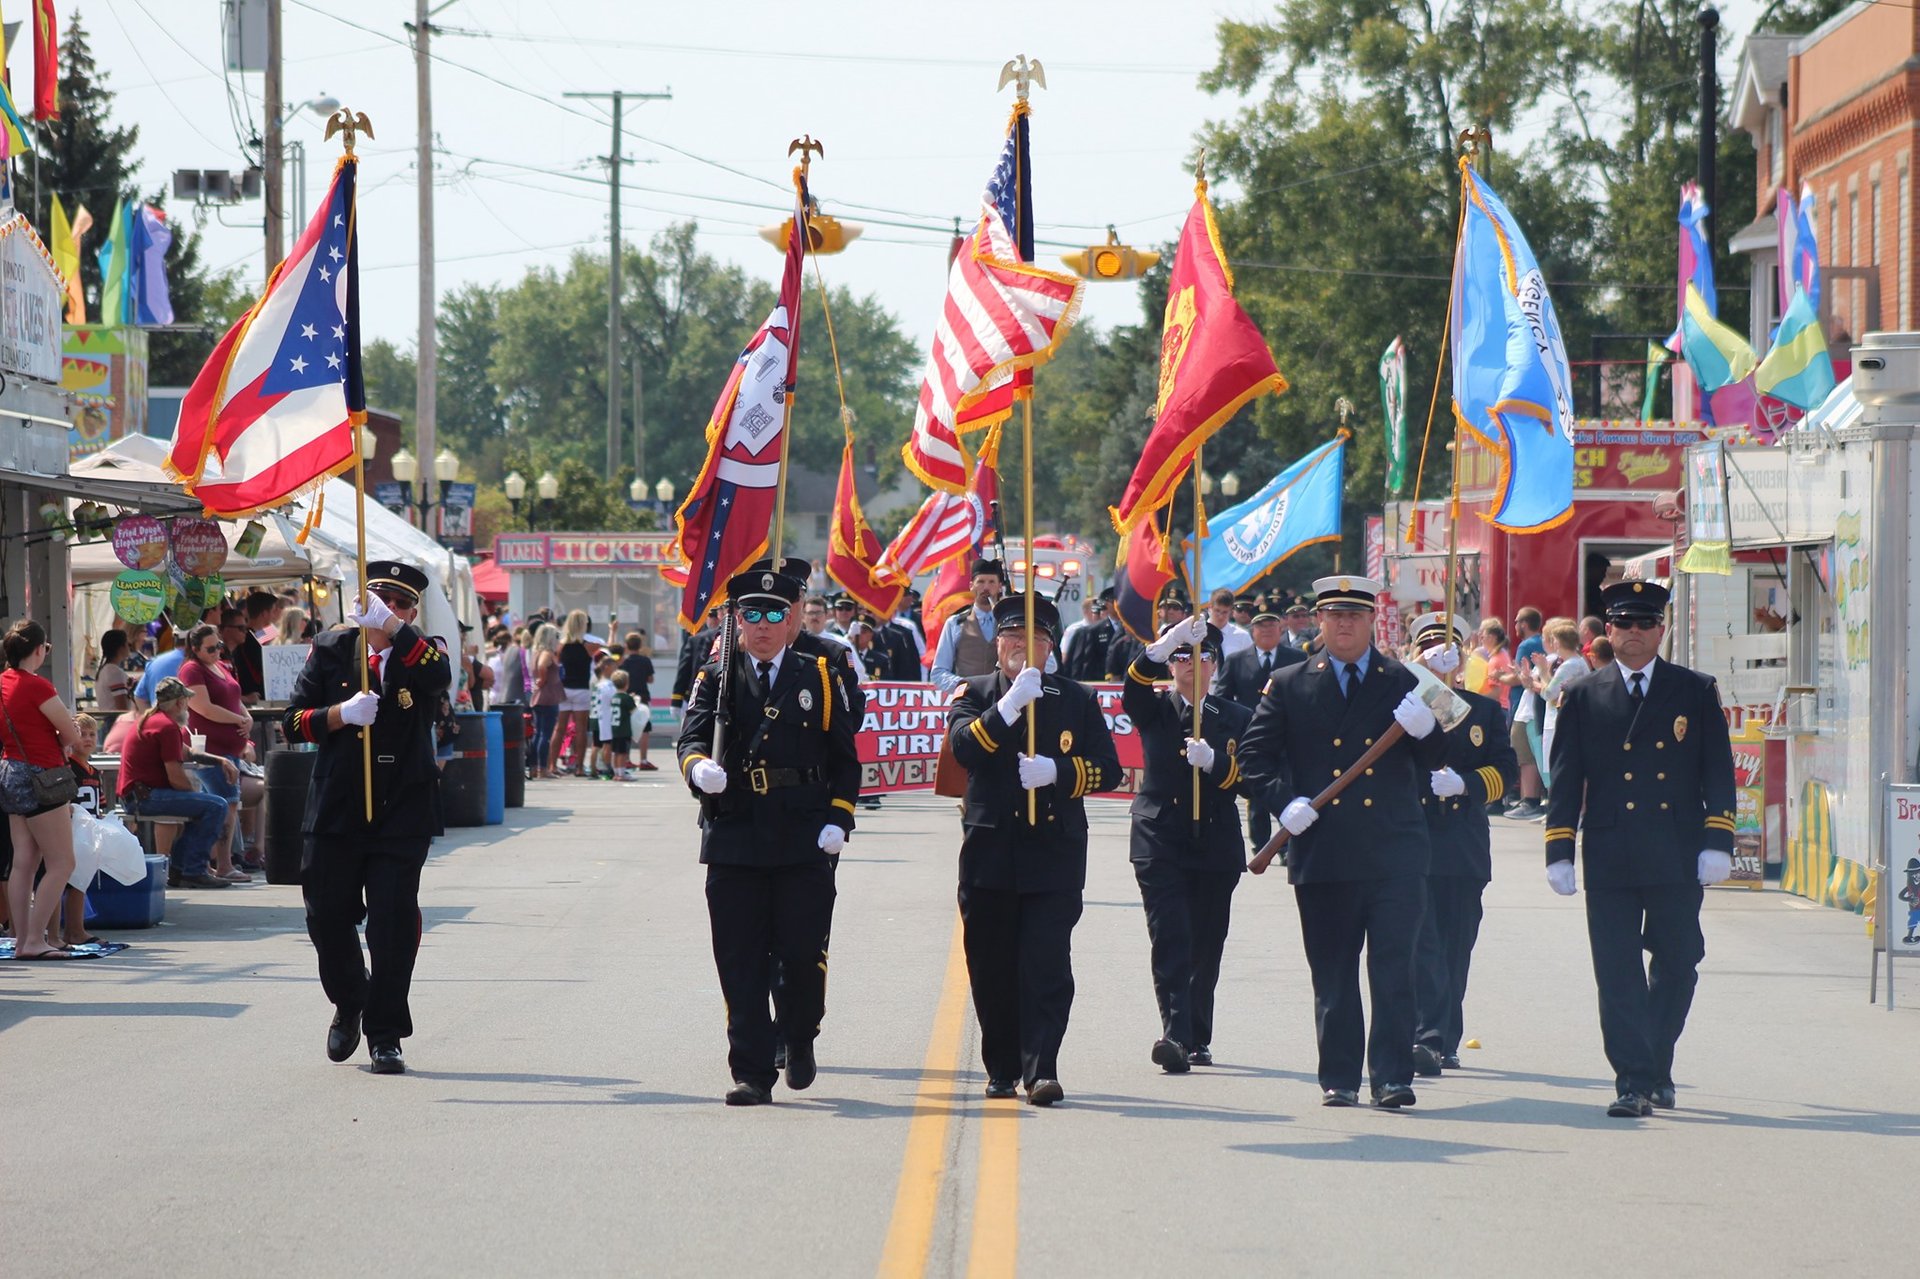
(773, 615)
(1634, 623)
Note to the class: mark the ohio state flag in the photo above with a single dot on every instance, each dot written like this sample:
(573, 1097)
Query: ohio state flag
(1212, 362)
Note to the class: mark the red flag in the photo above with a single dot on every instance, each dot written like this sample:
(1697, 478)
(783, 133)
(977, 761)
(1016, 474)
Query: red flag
(46, 62)
(1145, 570)
(722, 526)
(853, 549)
(1212, 362)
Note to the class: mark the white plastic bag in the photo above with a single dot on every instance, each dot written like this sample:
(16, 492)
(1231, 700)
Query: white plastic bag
(105, 845)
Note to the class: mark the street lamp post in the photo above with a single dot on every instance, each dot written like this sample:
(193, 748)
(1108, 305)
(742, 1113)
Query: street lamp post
(516, 489)
(432, 493)
(548, 487)
(1230, 484)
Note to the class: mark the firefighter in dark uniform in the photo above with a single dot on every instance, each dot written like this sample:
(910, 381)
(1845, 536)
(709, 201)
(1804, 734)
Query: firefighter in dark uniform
(775, 812)
(1641, 763)
(1359, 868)
(1021, 881)
(1478, 770)
(1243, 678)
(351, 868)
(1187, 869)
(1086, 661)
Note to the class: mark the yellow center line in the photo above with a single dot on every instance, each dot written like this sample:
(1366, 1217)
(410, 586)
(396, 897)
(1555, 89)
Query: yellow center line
(916, 1204)
(996, 1198)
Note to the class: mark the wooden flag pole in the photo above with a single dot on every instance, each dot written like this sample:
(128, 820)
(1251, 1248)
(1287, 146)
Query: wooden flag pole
(1026, 485)
(808, 148)
(1470, 143)
(1199, 594)
(360, 551)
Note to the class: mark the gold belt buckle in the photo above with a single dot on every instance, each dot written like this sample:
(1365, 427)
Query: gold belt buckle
(757, 778)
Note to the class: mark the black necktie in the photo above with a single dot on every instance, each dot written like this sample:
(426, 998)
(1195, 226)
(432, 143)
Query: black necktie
(1349, 675)
(766, 676)
(1266, 662)
(1639, 688)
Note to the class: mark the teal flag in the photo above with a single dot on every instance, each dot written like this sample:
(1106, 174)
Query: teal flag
(1393, 401)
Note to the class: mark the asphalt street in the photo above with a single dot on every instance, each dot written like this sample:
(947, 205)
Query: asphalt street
(170, 1111)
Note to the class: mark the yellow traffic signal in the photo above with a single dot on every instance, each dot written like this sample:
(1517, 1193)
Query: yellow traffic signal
(824, 234)
(1112, 260)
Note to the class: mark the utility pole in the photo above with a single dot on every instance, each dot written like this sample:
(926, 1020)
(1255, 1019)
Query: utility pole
(639, 422)
(272, 159)
(427, 351)
(1709, 20)
(614, 162)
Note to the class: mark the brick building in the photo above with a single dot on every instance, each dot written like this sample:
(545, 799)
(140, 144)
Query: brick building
(1838, 109)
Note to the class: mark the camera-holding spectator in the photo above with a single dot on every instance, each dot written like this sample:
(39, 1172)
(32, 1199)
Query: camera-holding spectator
(215, 712)
(39, 731)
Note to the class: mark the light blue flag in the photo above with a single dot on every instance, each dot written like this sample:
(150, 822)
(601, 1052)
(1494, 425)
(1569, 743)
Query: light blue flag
(1512, 388)
(1296, 508)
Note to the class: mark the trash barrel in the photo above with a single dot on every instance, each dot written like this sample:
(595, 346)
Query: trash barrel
(289, 775)
(513, 754)
(463, 781)
(496, 769)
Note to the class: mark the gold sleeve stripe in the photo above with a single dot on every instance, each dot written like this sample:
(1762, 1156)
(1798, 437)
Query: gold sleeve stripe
(687, 763)
(826, 698)
(1559, 832)
(1496, 785)
(1133, 673)
(1233, 774)
(980, 735)
(1083, 778)
(844, 803)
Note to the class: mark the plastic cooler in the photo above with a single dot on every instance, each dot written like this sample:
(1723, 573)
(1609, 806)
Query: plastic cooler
(141, 905)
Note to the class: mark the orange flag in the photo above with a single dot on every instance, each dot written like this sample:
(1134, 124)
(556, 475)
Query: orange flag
(853, 549)
(1212, 362)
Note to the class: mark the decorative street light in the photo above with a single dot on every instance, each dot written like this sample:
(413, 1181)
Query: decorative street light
(664, 490)
(432, 493)
(637, 491)
(548, 488)
(1206, 484)
(515, 486)
(1230, 484)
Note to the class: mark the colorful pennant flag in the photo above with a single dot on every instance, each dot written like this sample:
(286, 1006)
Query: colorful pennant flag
(1696, 255)
(1393, 403)
(276, 410)
(151, 238)
(1212, 362)
(116, 306)
(1512, 388)
(1657, 357)
(1295, 509)
(1001, 316)
(722, 526)
(46, 61)
(1718, 355)
(64, 246)
(1797, 369)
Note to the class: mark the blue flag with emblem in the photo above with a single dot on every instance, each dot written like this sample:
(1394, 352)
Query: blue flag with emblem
(1296, 508)
(1512, 388)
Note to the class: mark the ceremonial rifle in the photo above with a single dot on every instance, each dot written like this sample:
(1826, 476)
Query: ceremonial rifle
(723, 693)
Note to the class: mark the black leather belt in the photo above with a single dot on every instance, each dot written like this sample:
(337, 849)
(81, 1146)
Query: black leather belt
(763, 780)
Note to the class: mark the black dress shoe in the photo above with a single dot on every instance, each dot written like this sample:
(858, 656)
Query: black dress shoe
(387, 1060)
(1002, 1088)
(1200, 1056)
(1662, 1098)
(1341, 1097)
(746, 1094)
(1426, 1062)
(801, 1067)
(1170, 1057)
(1393, 1096)
(1045, 1092)
(1630, 1105)
(343, 1036)
(1450, 1061)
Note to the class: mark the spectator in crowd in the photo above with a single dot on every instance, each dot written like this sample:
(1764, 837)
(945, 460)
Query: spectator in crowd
(39, 733)
(638, 665)
(1600, 655)
(548, 696)
(1220, 613)
(1566, 666)
(112, 686)
(599, 758)
(621, 742)
(73, 902)
(242, 655)
(154, 781)
(965, 646)
(215, 713)
(1525, 707)
(1591, 629)
(576, 683)
(509, 662)
(293, 626)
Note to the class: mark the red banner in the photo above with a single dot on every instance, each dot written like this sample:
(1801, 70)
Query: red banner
(905, 724)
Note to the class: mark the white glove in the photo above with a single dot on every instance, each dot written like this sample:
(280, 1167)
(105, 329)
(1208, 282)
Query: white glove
(374, 614)
(1171, 638)
(1196, 630)
(1025, 690)
(1447, 783)
(1715, 868)
(1441, 659)
(1413, 715)
(1560, 876)
(708, 776)
(1037, 771)
(832, 839)
(1298, 815)
(360, 709)
(1199, 754)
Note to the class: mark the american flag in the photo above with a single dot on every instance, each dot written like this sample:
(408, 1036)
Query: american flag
(273, 412)
(1001, 317)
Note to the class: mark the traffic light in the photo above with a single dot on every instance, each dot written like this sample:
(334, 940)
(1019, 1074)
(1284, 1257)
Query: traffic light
(1112, 260)
(825, 234)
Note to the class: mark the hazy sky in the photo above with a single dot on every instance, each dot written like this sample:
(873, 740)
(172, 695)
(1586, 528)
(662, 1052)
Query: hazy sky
(901, 92)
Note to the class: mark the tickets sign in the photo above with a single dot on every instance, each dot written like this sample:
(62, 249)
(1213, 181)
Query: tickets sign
(905, 724)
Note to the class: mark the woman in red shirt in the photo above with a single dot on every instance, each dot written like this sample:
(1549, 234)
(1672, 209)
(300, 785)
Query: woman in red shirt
(38, 730)
(215, 711)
